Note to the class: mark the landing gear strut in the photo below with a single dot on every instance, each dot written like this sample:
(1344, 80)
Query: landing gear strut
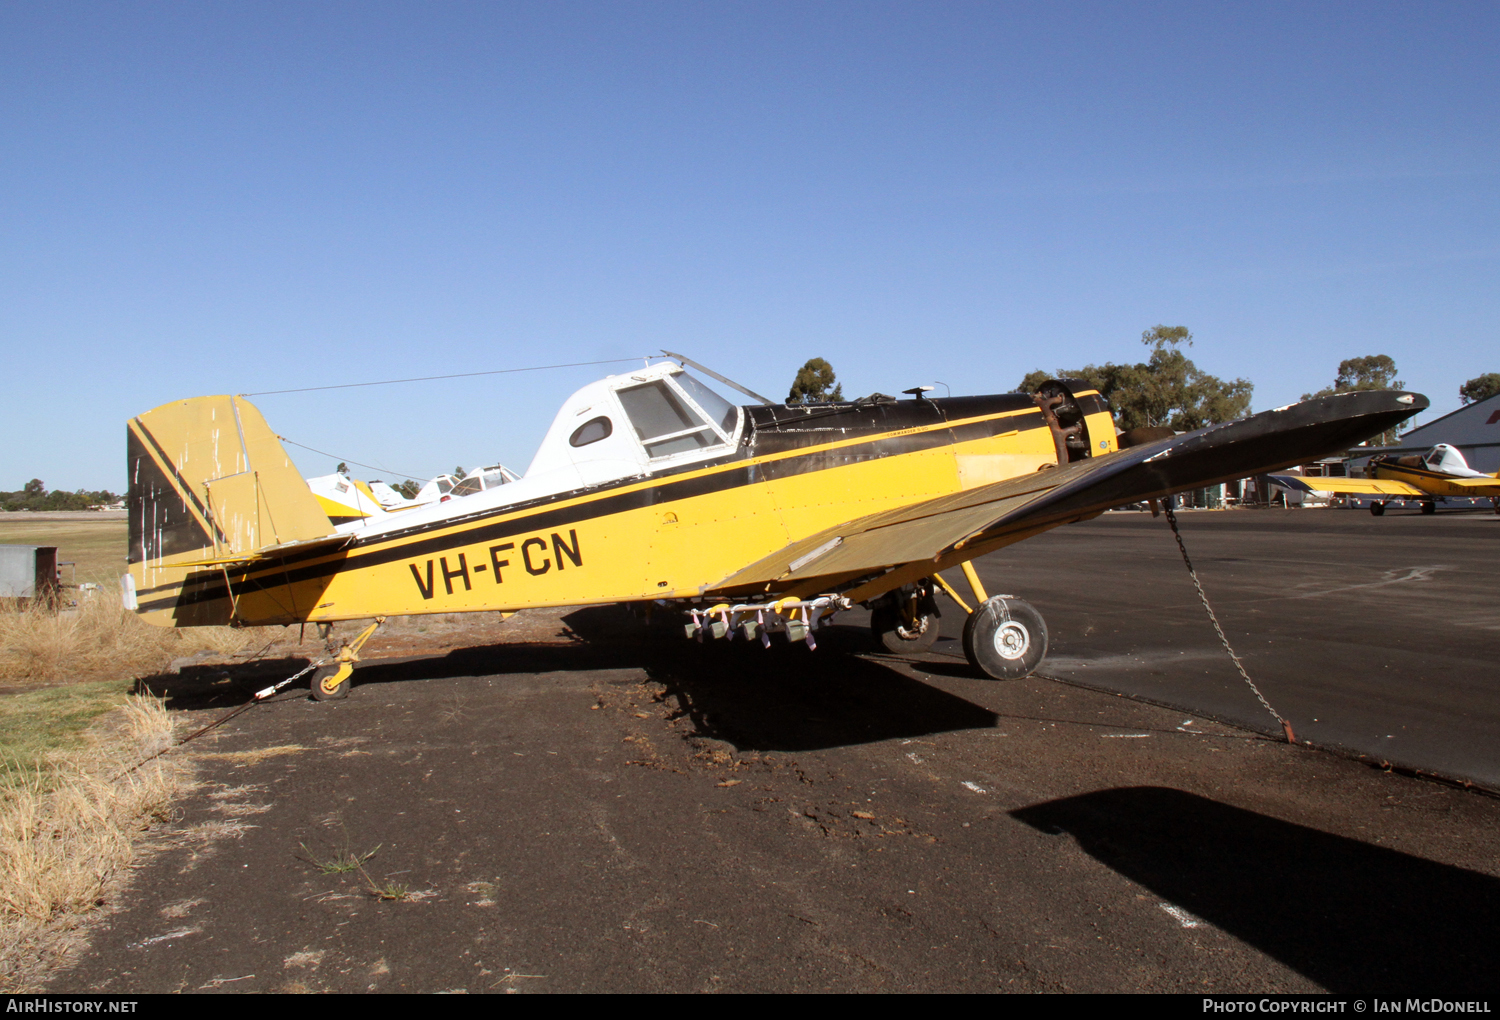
(905, 621)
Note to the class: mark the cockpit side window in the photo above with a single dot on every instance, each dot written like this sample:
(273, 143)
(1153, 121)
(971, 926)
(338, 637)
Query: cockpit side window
(592, 431)
(655, 411)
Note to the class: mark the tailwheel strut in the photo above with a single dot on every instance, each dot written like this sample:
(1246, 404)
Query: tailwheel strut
(331, 682)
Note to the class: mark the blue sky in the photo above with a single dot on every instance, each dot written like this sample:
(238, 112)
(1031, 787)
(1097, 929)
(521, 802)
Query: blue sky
(207, 198)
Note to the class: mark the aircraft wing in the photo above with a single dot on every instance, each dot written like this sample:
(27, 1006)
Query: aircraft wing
(927, 536)
(1476, 486)
(1383, 486)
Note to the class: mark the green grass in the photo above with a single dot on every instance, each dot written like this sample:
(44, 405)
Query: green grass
(53, 719)
(37, 724)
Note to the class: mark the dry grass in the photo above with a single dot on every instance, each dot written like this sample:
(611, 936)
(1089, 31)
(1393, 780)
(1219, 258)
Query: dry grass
(38, 645)
(70, 820)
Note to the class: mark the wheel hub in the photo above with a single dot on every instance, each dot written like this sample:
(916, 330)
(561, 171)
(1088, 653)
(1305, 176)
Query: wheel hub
(1012, 640)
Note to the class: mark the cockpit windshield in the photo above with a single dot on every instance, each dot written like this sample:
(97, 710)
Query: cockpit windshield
(714, 405)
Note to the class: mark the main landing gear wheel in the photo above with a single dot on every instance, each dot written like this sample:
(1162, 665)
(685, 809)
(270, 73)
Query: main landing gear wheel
(1005, 638)
(1429, 508)
(327, 685)
(906, 621)
(1378, 508)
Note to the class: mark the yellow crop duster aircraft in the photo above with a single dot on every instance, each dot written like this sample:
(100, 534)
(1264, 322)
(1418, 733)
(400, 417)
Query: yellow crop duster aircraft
(1440, 472)
(650, 486)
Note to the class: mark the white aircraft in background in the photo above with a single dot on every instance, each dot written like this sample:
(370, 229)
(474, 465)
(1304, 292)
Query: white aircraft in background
(1439, 473)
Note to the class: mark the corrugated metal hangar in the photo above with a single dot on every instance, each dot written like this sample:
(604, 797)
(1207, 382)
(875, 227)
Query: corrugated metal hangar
(1474, 429)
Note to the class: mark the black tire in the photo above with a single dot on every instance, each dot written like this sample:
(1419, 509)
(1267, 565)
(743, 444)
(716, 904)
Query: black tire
(887, 625)
(320, 690)
(1377, 508)
(1429, 508)
(1005, 638)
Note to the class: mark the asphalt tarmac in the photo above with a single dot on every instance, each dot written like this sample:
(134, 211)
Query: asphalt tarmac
(599, 812)
(1378, 635)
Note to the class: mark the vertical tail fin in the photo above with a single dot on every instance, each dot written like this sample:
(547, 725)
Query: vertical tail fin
(210, 482)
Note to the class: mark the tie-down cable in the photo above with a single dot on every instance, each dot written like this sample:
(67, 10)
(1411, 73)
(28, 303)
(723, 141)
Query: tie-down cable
(1286, 725)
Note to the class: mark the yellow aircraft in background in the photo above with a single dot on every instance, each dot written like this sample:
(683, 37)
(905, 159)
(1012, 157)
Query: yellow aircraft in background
(651, 487)
(1440, 472)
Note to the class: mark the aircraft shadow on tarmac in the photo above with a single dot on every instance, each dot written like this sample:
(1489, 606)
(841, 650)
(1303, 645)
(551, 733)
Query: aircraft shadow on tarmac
(1353, 917)
(785, 698)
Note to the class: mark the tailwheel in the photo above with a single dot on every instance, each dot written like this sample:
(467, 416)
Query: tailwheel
(1378, 507)
(331, 682)
(905, 621)
(1005, 638)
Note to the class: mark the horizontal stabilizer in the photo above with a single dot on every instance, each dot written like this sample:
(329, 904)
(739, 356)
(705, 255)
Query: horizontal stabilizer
(329, 544)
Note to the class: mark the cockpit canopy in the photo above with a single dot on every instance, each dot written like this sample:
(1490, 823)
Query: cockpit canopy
(659, 417)
(1447, 459)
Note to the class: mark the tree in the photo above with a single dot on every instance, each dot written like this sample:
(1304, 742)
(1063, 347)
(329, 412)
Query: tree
(343, 469)
(1481, 387)
(459, 474)
(34, 496)
(1166, 389)
(409, 488)
(814, 382)
(1374, 372)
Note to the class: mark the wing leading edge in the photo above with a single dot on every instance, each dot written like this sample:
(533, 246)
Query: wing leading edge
(937, 533)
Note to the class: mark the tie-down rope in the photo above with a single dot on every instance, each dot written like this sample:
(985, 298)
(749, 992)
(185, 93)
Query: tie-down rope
(1291, 738)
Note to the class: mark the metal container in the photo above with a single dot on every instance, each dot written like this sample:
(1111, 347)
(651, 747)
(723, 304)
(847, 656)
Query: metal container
(28, 571)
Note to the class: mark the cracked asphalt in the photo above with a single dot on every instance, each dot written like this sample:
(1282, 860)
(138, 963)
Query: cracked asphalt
(600, 812)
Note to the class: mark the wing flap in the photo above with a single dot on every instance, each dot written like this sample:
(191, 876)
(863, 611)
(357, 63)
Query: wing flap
(931, 529)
